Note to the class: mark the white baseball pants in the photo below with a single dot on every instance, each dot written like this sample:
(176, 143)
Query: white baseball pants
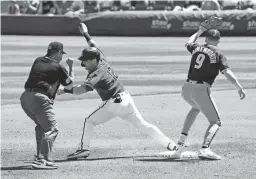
(127, 110)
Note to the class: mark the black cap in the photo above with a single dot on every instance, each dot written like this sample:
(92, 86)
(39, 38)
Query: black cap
(213, 34)
(89, 54)
(56, 46)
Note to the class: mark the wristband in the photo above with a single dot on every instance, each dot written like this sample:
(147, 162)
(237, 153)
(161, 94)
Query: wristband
(91, 42)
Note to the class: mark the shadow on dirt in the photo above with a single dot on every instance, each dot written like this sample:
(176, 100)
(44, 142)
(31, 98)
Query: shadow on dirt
(24, 167)
(95, 159)
(169, 160)
(136, 158)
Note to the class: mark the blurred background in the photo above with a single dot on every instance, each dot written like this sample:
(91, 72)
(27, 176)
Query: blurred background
(50, 8)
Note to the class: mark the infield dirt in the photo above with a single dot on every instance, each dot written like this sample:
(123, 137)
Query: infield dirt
(153, 70)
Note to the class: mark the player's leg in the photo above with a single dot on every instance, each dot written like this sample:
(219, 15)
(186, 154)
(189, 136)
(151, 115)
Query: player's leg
(26, 101)
(46, 119)
(187, 89)
(204, 101)
(98, 116)
(34, 107)
(132, 115)
(39, 136)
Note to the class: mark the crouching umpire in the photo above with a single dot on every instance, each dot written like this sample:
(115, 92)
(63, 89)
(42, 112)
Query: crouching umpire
(44, 79)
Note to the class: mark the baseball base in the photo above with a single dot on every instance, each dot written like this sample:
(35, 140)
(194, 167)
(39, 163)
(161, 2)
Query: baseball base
(179, 155)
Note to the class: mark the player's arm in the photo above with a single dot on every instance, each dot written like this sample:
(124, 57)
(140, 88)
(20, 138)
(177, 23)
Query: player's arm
(232, 79)
(84, 31)
(224, 68)
(76, 90)
(64, 77)
(88, 85)
(191, 45)
(71, 74)
(196, 35)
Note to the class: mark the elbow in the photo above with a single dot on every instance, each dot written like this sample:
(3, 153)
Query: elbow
(230, 76)
(91, 43)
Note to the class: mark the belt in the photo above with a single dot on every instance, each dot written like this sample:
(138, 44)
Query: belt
(118, 97)
(37, 90)
(195, 82)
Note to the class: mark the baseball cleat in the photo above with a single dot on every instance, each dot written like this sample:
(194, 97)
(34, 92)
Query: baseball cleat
(173, 152)
(206, 153)
(183, 141)
(84, 153)
(44, 164)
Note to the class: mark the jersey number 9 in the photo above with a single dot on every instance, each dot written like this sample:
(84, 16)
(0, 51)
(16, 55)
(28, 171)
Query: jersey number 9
(199, 61)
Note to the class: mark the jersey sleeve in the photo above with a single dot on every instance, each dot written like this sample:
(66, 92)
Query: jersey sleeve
(223, 63)
(91, 81)
(65, 80)
(191, 47)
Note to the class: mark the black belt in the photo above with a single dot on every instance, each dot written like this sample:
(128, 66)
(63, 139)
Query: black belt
(197, 82)
(117, 97)
(117, 94)
(36, 90)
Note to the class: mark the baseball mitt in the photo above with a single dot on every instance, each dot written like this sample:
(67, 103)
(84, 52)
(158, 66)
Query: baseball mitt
(212, 22)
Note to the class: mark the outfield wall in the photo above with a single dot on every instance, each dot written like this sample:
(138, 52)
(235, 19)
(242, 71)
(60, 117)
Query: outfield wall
(131, 23)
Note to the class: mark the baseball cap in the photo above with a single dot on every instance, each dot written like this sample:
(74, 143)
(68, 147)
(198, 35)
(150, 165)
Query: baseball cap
(213, 34)
(89, 54)
(56, 46)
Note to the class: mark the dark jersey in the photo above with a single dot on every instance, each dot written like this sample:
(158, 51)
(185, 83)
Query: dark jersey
(104, 80)
(47, 74)
(206, 62)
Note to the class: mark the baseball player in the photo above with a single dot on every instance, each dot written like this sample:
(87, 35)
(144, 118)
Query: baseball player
(44, 79)
(116, 100)
(206, 62)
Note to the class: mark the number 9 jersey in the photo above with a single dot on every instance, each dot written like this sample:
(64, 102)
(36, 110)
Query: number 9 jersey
(206, 62)
(104, 80)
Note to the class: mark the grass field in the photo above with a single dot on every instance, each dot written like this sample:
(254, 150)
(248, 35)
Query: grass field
(153, 70)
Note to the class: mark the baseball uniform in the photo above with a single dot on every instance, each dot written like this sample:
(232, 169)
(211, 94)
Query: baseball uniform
(206, 63)
(37, 101)
(116, 102)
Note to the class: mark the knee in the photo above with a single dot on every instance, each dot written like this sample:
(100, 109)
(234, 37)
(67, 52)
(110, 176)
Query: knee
(38, 128)
(51, 133)
(195, 110)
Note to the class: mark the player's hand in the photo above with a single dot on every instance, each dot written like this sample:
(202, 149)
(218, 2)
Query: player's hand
(205, 25)
(202, 28)
(241, 93)
(70, 61)
(60, 90)
(83, 28)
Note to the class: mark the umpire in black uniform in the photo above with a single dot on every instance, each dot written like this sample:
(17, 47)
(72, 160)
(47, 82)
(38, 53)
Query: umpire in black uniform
(44, 79)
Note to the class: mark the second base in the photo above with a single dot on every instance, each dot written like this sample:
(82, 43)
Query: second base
(179, 155)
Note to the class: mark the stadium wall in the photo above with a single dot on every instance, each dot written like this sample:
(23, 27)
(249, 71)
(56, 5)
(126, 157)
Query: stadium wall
(131, 23)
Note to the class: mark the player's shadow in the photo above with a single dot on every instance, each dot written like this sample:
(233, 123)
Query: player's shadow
(24, 167)
(157, 159)
(136, 158)
(94, 159)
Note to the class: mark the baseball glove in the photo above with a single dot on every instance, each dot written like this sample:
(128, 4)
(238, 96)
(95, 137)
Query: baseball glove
(212, 22)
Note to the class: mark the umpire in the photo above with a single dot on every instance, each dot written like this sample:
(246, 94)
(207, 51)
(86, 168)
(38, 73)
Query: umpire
(44, 79)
